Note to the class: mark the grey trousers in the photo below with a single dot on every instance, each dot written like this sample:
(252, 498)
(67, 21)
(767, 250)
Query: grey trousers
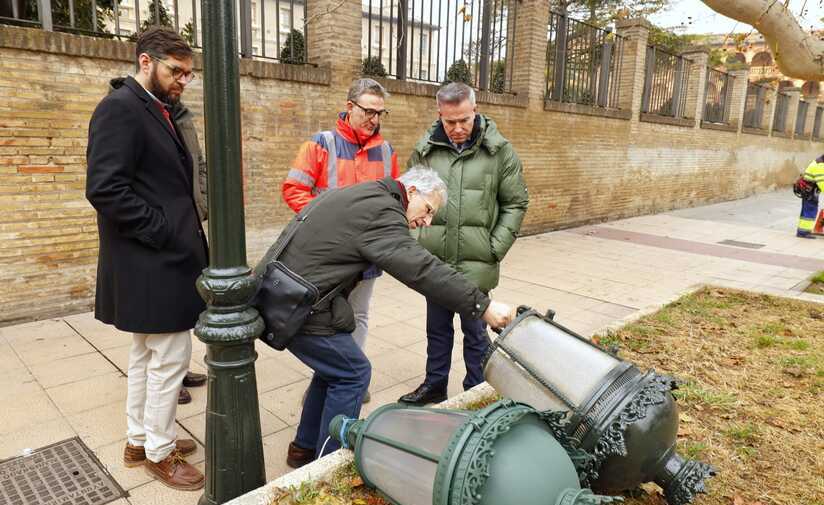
(359, 300)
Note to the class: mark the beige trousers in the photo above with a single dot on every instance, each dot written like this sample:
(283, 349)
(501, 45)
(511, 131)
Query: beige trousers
(157, 365)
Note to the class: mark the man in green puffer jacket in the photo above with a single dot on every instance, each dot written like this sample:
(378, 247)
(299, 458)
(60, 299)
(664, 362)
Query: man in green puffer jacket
(473, 231)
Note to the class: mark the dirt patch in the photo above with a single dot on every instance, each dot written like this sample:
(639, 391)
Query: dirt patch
(751, 401)
(816, 286)
(751, 398)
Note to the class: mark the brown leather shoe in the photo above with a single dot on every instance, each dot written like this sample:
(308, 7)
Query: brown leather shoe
(184, 397)
(298, 456)
(193, 380)
(135, 455)
(176, 473)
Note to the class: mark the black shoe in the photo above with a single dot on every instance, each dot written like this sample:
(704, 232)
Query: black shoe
(184, 397)
(426, 393)
(298, 456)
(193, 380)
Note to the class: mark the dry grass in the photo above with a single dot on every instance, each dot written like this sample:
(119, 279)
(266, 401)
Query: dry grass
(751, 401)
(817, 284)
(345, 487)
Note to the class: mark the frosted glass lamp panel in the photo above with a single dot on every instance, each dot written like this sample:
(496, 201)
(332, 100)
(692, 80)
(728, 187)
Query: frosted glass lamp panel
(406, 478)
(425, 429)
(512, 381)
(566, 362)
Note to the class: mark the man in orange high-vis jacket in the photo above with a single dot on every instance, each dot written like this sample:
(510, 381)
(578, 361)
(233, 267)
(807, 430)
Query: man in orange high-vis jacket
(353, 153)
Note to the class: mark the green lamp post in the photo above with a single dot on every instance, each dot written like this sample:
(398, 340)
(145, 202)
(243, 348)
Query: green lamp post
(504, 453)
(234, 448)
(626, 419)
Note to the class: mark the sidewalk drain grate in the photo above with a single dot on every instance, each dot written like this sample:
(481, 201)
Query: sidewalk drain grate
(748, 245)
(65, 473)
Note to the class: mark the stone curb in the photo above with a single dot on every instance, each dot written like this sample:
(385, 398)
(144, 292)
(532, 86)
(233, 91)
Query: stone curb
(326, 466)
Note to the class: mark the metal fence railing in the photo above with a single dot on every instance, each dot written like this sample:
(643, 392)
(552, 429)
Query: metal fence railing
(782, 108)
(272, 29)
(801, 117)
(583, 63)
(718, 96)
(666, 83)
(819, 112)
(435, 41)
(755, 106)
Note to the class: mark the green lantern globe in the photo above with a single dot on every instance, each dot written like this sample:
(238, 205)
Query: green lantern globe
(506, 453)
(626, 419)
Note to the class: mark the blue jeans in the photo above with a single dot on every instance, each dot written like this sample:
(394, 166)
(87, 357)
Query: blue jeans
(341, 378)
(440, 336)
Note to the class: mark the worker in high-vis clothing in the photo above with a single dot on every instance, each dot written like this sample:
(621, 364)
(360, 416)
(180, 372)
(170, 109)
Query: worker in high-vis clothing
(808, 187)
(353, 153)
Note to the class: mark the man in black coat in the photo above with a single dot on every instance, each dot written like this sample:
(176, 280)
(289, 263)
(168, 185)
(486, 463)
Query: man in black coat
(152, 247)
(346, 231)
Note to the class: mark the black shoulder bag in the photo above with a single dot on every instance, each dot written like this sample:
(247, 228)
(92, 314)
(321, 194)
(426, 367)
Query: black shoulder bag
(285, 299)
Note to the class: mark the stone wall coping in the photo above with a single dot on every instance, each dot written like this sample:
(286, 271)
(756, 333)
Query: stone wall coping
(623, 24)
(674, 121)
(586, 110)
(323, 468)
(429, 90)
(755, 131)
(733, 128)
(35, 39)
(696, 51)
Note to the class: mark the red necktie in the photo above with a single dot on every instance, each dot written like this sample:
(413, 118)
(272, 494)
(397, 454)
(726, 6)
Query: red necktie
(168, 117)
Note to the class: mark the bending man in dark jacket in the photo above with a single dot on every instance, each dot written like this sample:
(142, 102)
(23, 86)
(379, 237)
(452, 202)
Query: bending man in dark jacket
(349, 230)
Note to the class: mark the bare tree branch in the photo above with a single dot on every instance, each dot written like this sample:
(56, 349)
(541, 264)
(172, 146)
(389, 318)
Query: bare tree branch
(798, 54)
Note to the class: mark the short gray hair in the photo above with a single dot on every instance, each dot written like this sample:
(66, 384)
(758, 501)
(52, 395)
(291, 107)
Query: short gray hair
(425, 180)
(455, 93)
(366, 86)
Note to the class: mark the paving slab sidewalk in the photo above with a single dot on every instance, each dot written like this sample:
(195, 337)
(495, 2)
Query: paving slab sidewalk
(64, 377)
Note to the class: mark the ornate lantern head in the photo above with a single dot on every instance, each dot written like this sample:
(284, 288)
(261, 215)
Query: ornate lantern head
(626, 419)
(504, 453)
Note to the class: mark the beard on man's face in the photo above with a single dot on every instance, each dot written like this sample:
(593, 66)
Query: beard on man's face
(162, 94)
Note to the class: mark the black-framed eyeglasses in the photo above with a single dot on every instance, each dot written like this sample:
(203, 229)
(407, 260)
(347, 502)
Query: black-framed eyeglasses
(370, 113)
(177, 72)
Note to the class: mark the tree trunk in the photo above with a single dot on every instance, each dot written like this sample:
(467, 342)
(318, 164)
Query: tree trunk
(797, 53)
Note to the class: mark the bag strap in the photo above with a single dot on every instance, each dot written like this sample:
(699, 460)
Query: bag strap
(328, 296)
(294, 229)
(298, 221)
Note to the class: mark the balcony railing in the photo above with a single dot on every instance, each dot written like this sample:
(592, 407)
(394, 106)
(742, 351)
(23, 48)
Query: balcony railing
(272, 29)
(429, 41)
(666, 83)
(583, 63)
(718, 96)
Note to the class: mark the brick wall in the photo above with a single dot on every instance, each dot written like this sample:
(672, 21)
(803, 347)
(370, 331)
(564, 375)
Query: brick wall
(580, 168)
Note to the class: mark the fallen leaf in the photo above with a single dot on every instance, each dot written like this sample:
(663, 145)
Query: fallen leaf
(356, 481)
(359, 501)
(651, 488)
(737, 500)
